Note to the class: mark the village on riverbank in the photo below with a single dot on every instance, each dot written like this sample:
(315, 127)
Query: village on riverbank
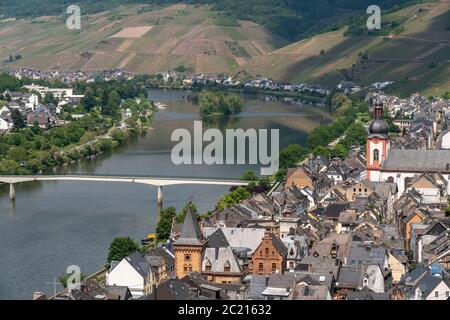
(360, 213)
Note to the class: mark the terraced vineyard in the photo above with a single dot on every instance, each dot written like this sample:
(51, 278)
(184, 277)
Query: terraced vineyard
(137, 40)
(151, 39)
(417, 59)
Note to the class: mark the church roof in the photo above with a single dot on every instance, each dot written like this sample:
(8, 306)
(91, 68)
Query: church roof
(417, 161)
(190, 231)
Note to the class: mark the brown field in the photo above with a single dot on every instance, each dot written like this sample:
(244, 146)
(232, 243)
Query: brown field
(132, 32)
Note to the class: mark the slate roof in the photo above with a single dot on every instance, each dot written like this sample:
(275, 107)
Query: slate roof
(117, 293)
(427, 284)
(172, 289)
(240, 237)
(190, 234)
(217, 239)
(367, 255)
(218, 258)
(279, 245)
(415, 274)
(417, 160)
(334, 210)
(257, 285)
(138, 263)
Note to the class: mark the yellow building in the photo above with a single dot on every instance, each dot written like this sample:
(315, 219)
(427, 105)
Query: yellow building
(397, 264)
(189, 247)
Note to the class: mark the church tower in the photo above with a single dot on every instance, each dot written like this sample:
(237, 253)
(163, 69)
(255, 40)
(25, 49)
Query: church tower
(189, 247)
(378, 144)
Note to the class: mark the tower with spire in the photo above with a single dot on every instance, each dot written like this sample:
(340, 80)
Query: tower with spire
(378, 143)
(189, 247)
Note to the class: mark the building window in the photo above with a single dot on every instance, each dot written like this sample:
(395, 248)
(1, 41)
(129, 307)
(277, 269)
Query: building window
(187, 257)
(185, 269)
(274, 267)
(376, 155)
(360, 190)
(261, 266)
(208, 268)
(436, 294)
(190, 268)
(365, 190)
(291, 265)
(447, 294)
(226, 269)
(267, 251)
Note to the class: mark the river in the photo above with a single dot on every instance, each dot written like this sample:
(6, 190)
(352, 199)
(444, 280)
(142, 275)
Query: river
(52, 225)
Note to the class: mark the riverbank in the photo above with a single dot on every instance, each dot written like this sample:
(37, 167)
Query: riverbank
(33, 150)
(315, 99)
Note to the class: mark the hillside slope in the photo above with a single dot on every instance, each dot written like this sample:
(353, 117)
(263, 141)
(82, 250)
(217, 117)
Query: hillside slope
(290, 19)
(136, 39)
(415, 55)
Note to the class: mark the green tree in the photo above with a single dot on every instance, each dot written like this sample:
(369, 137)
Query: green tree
(249, 176)
(233, 198)
(49, 98)
(164, 226)
(89, 101)
(65, 277)
(121, 247)
(18, 120)
(182, 215)
(291, 155)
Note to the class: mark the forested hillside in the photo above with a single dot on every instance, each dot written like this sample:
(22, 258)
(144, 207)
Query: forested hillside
(291, 19)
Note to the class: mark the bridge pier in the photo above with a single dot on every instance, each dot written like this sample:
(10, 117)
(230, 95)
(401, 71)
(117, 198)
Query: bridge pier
(160, 199)
(12, 192)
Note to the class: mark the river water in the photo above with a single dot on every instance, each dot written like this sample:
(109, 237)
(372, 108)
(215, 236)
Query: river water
(52, 225)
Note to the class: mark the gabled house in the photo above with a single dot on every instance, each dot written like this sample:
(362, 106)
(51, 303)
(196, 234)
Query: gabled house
(162, 262)
(414, 217)
(359, 277)
(220, 265)
(397, 263)
(431, 187)
(133, 272)
(269, 257)
(426, 284)
(297, 248)
(313, 286)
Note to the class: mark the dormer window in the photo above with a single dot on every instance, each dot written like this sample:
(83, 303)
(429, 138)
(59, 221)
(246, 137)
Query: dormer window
(334, 250)
(227, 267)
(418, 294)
(208, 266)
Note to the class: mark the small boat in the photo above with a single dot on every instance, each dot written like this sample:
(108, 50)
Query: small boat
(148, 239)
(161, 106)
